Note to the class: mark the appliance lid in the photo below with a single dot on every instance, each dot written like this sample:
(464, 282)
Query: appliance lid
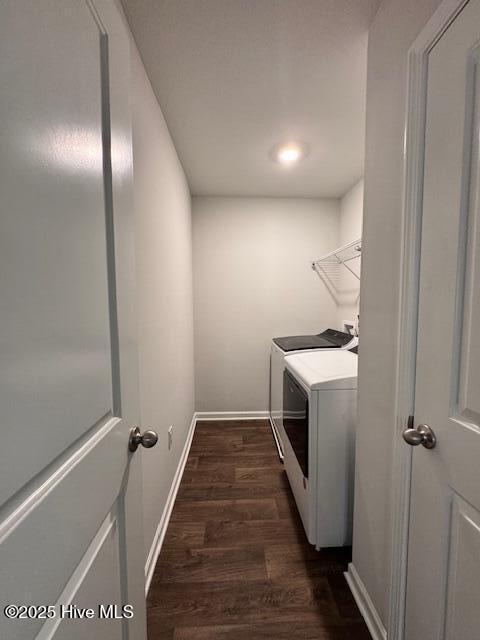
(324, 370)
(329, 339)
(337, 338)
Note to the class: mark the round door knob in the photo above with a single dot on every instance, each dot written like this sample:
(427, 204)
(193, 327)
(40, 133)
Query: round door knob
(421, 435)
(147, 439)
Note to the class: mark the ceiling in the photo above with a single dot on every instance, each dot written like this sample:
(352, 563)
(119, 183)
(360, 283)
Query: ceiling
(236, 77)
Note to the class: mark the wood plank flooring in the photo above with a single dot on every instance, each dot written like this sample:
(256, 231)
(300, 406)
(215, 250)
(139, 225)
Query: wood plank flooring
(235, 563)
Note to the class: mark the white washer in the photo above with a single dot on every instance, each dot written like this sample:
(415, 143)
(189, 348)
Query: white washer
(320, 398)
(281, 347)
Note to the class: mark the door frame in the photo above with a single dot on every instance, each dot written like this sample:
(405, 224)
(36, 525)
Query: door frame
(413, 161)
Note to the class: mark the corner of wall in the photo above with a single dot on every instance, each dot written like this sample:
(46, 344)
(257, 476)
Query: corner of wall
(365, 604)
(163, 231)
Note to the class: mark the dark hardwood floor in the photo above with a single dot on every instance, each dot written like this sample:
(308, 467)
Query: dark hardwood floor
(235, 563)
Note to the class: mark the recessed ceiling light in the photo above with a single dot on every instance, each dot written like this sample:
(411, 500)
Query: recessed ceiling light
(288, 154)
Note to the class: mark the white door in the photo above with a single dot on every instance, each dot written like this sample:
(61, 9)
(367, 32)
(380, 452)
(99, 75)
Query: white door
(443, 584)
(70, 521)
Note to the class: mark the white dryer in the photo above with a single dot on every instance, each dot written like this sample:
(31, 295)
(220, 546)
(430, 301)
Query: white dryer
(281, 347)
(319, 419)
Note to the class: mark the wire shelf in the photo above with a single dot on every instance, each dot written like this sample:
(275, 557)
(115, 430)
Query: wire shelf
(332, 268)
(341, 255)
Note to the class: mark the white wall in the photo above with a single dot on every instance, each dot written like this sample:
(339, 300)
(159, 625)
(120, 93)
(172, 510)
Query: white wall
(165, 296)
(394, 28)
(351, 220)
(253, 281)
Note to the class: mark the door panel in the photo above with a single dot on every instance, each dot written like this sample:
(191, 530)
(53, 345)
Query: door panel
(97, 577)
(55, 338)
(64, 514)
(70, 491)
(468, 401)
(444, 546)
(463, 597)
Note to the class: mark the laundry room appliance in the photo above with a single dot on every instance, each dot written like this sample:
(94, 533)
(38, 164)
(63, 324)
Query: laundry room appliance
(319, 415)
(280, 347)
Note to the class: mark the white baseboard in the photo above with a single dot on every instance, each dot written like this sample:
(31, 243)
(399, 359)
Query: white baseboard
(167, 511)
(365, 604)
(232, 415)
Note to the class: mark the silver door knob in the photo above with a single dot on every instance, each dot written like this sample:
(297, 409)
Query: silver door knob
(147, 439)
(421, 435)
